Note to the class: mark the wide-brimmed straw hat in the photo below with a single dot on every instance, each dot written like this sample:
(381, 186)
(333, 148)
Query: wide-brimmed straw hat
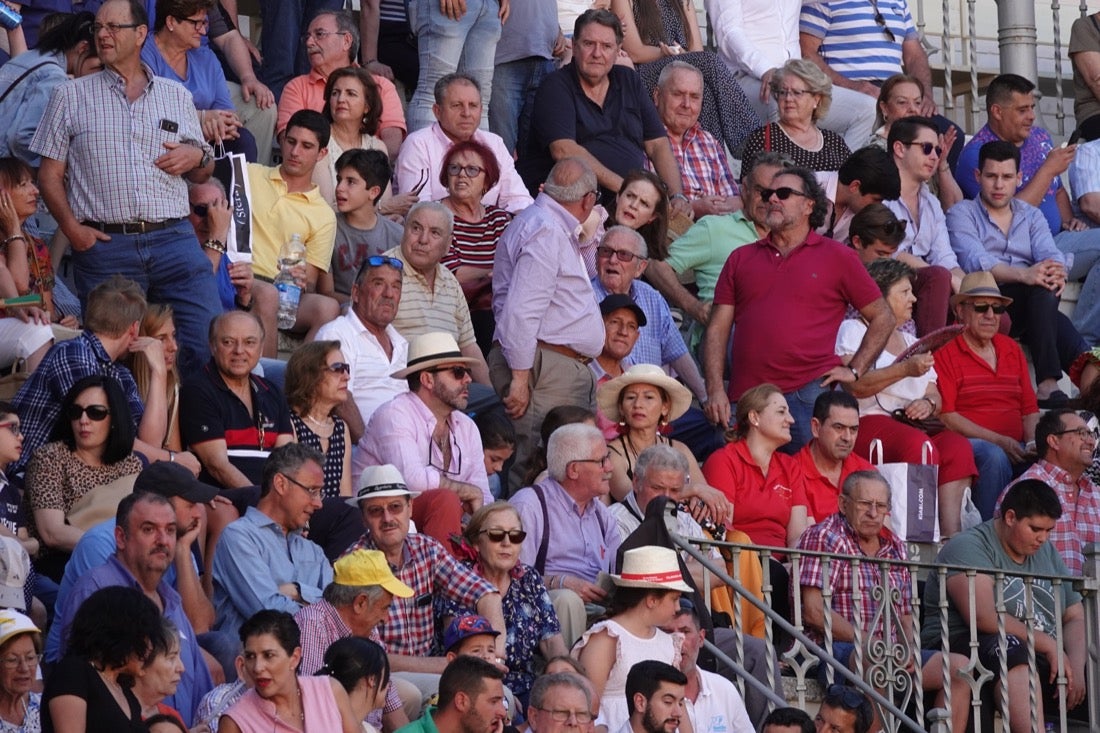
(649, 567)
(432, 349)
(979, 285)
(607, 394)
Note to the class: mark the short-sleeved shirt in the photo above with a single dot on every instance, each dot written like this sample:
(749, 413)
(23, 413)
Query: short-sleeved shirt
(705, 247)
(807, 292)
(834, 151)
(995, 400)
(371, 383)
(614, 133)
(210, 411)
(1084, 35)
(821, 494)
(278, 214)
(353, 246)
(205, 78)
(308, 92)
(704, 170)
(76, 676)
(424, 308)
(981, 548)
(763, 503)
(852, 43)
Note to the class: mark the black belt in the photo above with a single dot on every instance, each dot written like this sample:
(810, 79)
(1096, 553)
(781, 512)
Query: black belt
(133, 227)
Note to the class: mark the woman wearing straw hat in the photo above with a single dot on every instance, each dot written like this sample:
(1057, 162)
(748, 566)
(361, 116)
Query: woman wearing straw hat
(646, 596)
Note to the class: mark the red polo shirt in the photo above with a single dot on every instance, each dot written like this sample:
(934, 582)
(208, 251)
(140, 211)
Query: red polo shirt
(821, 493)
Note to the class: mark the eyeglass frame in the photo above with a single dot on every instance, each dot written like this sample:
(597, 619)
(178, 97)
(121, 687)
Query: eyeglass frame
(456, 457)
(313, 493)
(15, 427)
(113, 28)
(199, 25)
(563, 716)
(320, 35)
(782, 193)
(622, 255)
(926, 147)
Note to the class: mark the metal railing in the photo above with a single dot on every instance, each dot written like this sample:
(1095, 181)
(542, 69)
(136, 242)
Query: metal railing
(887, 645)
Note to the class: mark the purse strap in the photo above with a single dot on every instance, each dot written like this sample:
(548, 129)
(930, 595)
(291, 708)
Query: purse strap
(22, 76)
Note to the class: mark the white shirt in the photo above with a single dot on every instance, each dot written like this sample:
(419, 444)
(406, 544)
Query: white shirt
(371, 384)
(754, 36)
(719, 707)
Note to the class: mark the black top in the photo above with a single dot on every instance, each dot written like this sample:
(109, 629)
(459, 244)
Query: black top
(75, 676)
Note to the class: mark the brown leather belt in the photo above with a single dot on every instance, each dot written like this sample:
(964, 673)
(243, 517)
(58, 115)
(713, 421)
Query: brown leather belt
(565, 351)
(132, 227)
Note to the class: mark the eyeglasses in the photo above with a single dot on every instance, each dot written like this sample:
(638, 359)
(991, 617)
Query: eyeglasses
(622, 255)
(793, 93)
(376, 511)
(199, 24)
(1082, 433)
(338, 367)
(113, 28)
(606, 459)
(458, 372)
(890, 228)
(321, 35)
(13, 427)
(848, 697)
(29, 661)
(583, 717)
(314, 493)
(984, 308)
(881, 22)
(866, 505)
(454, 465)
(782, 193)
(471, 171)
(201, 210)
(515, 536)
(96, 413)
(927, 148)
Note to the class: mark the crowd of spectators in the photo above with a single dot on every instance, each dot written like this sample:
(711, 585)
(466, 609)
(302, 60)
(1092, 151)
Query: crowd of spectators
(536, 305)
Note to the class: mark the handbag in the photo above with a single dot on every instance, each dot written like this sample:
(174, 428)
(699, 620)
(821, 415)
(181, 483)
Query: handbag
(239, 242)
(914, 490)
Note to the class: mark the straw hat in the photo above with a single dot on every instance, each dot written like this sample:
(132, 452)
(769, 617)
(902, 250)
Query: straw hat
(979, 284)
(651, 567)
(432, 349)
(607, 394)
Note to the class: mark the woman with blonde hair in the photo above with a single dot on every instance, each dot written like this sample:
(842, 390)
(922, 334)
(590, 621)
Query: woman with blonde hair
(160, 323)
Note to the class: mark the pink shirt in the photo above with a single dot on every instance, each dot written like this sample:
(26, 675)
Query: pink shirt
(253, 713)
(308, 92)
(424, 150)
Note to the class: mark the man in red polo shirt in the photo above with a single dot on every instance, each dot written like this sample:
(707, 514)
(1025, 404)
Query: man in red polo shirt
(787, 295)
(828, 459)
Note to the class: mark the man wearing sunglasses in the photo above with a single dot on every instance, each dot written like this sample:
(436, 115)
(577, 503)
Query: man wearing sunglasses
(427, 436)
(1008, 237)
(1065, 445)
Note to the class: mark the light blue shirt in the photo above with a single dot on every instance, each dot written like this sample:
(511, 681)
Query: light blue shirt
(23, 108)
(930, 241)
(980, 244)
(1084, 177)
(659, 341)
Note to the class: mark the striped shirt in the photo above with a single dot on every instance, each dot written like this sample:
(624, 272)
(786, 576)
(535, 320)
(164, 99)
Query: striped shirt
(852, 43)
(475, 243)
(109, 145)
(424, 309)
(392, 11)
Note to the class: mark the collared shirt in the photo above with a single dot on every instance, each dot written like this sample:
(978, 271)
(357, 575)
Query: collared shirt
(853, 44)
(321, 625)
(755, 36)
(1084, 175)
(308, 92)
(719, 707)
(428, 569)
(628, 516)
(996, 399)
(278, 213)
(835, 535)
(1080, 521)
(1033, 153)
(38, 401)
(22, 109)
(659, 340)
(541, 290)
(980, 243)
(422, 155)
(109, 145)
(582, 542)
(707, 245)
(424, 724)
(195, 680)
(928, 241)
(821, 493)
(371, 383)
(400, 433)
(424, 308)
(253, 558)
(808, 291)
(704, 170)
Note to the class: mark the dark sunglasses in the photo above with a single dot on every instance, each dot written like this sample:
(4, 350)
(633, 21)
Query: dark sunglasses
(927, 148)
(890, 228)
(201, 210)
(458, 372)
(515, 536)
(96, 413)
(338, 367)
(782, 193)
(984, 308)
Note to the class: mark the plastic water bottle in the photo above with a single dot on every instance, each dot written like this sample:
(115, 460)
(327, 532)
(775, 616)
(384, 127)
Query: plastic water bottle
(292, 254)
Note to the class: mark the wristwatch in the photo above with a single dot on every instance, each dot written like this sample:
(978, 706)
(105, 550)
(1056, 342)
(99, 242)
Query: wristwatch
(215, 244)
(206, 157)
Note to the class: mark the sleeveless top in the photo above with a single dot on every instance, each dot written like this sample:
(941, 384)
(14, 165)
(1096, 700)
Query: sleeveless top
(334, 458)
(252, 713)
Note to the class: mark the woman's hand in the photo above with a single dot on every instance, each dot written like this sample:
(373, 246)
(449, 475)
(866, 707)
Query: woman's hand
(9, 220)
(670, 50)
(32, 314)
(918, 366)
(920, 409)
(153, 349)
(398, 206)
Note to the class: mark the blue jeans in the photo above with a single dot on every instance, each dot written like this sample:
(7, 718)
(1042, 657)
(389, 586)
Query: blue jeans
(1085, 248)
(801, 404)
(170, 267)
(514, 87)
(468, 44)
(994, 473)
(284, 54)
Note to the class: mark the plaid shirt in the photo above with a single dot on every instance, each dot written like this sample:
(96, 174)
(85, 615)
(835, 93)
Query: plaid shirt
(835, 535)
(1080, 520)
(703, 167)
(38, 401)
(428, 569)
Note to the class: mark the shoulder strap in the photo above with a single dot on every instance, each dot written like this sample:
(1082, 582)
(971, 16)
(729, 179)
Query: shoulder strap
(768, 138)
(544, 543)
(22, 76)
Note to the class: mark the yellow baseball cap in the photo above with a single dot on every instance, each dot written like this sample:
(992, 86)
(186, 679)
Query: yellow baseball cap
(369, 567)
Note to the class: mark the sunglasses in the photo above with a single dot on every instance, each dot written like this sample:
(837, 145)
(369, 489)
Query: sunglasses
(848, 697)
(515, 536)
(96, 413)
(378, 261)
(890, 228)
(927, 148)
(984, 308)
(458, 372)
(201, 210)
(338, 367)
(881, 22)
(782, 193)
